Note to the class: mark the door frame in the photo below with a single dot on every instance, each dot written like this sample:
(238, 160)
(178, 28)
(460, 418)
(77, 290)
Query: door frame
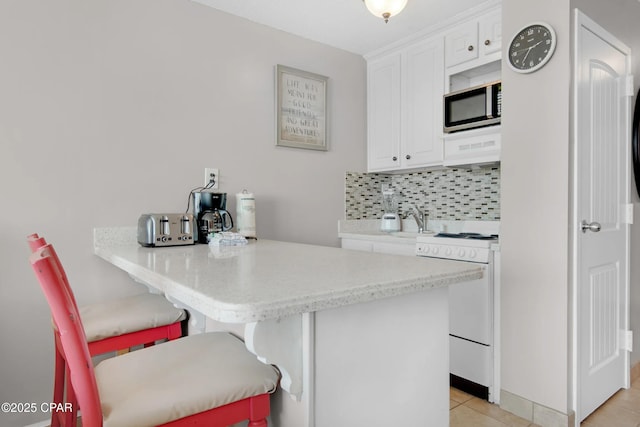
(579, 21)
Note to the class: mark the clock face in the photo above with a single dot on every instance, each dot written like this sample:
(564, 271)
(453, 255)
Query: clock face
(532, 47)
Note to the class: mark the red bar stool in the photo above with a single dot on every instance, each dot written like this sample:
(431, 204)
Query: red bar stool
(114, 326)
(206, 379)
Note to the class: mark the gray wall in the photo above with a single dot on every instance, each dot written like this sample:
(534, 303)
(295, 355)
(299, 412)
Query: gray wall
(534, 234)
(535, 180)
(113, 108)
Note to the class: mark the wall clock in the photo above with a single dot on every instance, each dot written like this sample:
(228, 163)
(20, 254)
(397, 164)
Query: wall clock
(532, 47)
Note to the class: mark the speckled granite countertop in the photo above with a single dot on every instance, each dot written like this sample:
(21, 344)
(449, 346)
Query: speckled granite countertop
(269, 279)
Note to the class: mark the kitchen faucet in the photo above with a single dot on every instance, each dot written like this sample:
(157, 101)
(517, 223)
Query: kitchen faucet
(420, 217)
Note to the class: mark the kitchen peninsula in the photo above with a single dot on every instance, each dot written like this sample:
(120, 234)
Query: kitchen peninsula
(362, 338)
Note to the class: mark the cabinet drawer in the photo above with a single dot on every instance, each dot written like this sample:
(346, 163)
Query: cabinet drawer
(357, 245)
(394, 248)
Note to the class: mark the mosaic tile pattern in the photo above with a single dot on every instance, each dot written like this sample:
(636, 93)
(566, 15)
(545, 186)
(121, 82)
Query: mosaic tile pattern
(446, 194)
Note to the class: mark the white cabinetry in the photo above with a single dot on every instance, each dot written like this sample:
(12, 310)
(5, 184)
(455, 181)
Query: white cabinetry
(478, 40)
(404, 248)
(490, 27)
(404, 107)
(405, 85)
(462, 44)
(383, 112)
(473, 147)
(473, 53)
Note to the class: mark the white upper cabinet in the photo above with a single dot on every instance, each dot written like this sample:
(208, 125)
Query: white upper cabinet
(491, 33)
(404, 107)
(406, 83)
(462, 44)
(477, 41)
(383, 112)
(422, 94)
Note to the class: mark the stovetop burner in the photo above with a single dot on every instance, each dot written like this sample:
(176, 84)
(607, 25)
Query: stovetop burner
(474, 236)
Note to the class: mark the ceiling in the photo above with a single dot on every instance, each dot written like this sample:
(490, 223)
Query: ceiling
(345, 24)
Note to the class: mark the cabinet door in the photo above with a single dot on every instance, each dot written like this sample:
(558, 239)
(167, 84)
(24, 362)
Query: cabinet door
(357, 245)
(491, 33)
(383, 113)
(461, 45)
(394, 248)
(423, 88)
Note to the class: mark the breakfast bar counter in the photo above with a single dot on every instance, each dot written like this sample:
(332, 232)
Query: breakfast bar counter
(362, 338)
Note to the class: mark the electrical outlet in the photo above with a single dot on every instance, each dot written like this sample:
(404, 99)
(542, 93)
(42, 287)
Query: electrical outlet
(209, 174)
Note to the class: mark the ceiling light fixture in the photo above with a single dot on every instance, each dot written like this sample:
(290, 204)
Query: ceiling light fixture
(386, 8)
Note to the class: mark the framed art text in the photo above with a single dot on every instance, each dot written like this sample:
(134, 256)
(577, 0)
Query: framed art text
(301, 109)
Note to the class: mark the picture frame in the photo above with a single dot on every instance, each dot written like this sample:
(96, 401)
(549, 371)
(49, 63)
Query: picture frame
(301, 109)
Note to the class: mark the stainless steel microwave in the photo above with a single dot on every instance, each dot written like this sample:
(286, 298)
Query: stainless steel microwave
(474, 107)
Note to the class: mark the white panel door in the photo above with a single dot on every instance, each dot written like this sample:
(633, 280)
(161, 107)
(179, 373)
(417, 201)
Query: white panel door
(602, 172)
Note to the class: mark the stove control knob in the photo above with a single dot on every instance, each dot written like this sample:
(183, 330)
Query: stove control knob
(461, 252)
(435, 250)
(448, 251)
(426, 249)
(472, 253)
(163, 239)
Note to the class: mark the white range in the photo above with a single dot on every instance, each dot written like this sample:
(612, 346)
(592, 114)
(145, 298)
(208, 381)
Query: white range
(474, 305)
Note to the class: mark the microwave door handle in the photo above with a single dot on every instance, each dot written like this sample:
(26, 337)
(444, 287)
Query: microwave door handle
(489, 102)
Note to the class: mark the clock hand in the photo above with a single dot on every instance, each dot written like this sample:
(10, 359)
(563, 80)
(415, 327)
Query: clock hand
(528, 52)
(527, 48)
(536, 44)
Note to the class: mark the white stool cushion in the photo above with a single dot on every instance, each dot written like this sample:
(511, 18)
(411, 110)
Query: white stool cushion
(180, 378)
(132, 314)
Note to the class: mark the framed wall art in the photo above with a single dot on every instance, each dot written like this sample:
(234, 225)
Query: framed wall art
(301, 109)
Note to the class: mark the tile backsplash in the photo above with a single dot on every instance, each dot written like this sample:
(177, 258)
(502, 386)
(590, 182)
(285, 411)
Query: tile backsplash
(446, 194)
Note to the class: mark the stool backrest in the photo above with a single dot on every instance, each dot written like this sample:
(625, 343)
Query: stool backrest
(36, 242)
(70, 332)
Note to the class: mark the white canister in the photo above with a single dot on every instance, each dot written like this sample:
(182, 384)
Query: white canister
(246, 214)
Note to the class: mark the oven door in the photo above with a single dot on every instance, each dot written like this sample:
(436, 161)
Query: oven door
(471, 335)
(470, 308)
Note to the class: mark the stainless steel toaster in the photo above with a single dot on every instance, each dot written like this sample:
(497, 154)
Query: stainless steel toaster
(165, 229)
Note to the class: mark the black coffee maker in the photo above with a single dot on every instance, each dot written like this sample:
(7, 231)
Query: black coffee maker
(210, 214)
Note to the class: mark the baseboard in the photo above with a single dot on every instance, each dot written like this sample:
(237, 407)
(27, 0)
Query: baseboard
(534, 412)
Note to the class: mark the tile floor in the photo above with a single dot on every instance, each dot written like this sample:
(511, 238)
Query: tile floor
(622, 410)
(466, 410)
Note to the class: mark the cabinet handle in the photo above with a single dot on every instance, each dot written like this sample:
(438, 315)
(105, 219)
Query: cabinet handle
(407, 157)
(470, 48)
(487, 42)
(394, 158)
